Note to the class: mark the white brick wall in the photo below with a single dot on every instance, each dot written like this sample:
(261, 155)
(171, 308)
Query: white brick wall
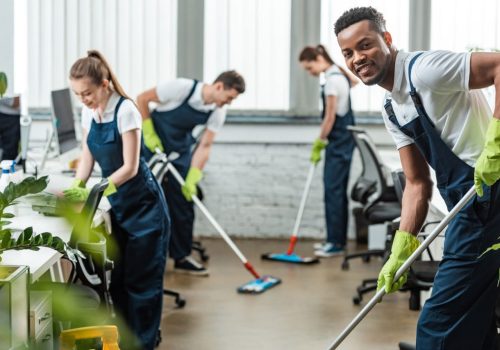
(254, 190)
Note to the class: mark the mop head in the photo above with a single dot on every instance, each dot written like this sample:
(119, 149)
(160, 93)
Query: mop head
(259, 285)
(290, 258)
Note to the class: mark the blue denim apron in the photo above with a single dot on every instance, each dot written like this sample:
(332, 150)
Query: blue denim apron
(338, 156)
(141, 229)
(460, 312)
(175, 128)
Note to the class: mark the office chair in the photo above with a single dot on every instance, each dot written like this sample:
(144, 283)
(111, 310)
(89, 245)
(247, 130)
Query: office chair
(87, 288)
(372, 190)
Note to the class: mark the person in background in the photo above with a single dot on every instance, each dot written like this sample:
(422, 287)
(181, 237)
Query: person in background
(10, 128)
(183, 105)
(338, 144)
(438, 116)
(111, 136)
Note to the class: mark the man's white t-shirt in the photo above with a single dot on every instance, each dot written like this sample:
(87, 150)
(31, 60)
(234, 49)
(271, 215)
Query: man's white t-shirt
(172, 93)
(441, 78)
(129, 117)
(337, 85)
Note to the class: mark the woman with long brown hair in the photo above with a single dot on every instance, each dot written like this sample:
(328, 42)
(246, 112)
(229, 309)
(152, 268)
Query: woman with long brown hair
(111, 125)
(337, 142)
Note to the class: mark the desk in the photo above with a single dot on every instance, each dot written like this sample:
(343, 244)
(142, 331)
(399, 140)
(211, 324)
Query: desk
(41, 261)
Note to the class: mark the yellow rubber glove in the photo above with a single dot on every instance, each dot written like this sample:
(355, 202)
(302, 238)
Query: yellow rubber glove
(317, 147)
(77, 191)
(110, 189)
(151, 138)
(403, 245)
(487, 168)
(189, 188)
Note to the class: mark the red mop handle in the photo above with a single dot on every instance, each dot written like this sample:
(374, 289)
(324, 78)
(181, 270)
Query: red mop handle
(291, 247)
(250, 268)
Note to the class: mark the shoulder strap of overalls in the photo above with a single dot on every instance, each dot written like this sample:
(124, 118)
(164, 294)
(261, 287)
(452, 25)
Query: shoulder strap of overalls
(417, 101)
(195, 82)
(120, 101)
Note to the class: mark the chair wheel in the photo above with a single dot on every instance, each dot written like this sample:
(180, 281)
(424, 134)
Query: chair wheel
(158, 338)
(180, 302)
(204, 257)
(366, 259)
(345, 265)
(356, 300)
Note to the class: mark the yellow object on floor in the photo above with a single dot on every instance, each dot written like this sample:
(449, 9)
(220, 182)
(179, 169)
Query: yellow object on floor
(107, 334)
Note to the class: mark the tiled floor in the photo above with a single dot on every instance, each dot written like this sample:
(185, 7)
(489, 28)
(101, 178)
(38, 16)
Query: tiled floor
(307, 311)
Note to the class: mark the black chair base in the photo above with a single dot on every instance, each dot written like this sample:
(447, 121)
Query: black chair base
(198, 247)
(179, 300)
(366, 256)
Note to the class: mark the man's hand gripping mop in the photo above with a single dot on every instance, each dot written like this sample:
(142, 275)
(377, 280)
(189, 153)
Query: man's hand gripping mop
(261, 282)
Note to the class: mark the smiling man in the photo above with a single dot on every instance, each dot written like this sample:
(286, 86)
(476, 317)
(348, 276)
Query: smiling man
(438, 117)
(184, 104)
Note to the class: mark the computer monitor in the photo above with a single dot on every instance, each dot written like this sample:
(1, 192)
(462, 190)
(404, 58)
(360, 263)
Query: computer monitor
(63, 125)
(62, 111)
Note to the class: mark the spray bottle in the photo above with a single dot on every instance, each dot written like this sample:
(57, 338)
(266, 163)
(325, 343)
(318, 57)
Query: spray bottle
(5, 177)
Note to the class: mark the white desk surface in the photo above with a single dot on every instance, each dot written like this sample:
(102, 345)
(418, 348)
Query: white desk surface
(41, 261)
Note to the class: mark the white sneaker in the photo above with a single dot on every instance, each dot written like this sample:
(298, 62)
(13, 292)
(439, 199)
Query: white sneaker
(319, 245)
(329, 250)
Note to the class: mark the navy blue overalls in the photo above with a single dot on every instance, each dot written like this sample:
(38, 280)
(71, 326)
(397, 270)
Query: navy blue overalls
(141, 223)
(460, 312)
(175, 128)
(338, 155)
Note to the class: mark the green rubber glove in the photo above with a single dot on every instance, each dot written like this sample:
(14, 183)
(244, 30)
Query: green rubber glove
(151, 138)
(487, 168)
(77, 191)
(189, 188)
(110, 189)
(403, 245)
(317, 147)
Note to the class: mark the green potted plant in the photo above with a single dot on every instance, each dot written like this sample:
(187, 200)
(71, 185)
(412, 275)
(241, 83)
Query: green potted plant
(3, 84)
(27, 239)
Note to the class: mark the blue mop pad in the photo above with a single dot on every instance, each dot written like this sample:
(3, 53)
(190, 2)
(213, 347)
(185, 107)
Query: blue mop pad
(290, 258)
(259, 285)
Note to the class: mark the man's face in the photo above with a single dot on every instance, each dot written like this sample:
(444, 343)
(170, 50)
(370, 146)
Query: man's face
(366, 52)
(224, 97)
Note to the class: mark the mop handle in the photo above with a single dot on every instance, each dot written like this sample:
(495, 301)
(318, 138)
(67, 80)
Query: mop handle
(378, 296)
(302, 205)
(210, 218)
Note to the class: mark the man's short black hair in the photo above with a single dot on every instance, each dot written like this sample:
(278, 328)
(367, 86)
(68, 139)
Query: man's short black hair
(231, 80)
(358, 14)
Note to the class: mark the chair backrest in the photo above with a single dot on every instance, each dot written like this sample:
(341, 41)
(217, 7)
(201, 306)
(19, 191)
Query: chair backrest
(372, 183)
(88, 212)
(399, 179)
(91, 270)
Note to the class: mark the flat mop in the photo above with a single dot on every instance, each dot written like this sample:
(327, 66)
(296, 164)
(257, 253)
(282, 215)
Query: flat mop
(378, 297)
(261, 283)
(290, 256)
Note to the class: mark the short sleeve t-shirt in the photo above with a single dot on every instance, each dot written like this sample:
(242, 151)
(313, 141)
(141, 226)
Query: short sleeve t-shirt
(337, 85)
(129, 117)
(172, 93)
(441, 78)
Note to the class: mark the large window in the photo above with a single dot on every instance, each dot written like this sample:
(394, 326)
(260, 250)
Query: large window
(466, 27)
(396, 13)
(252, 37)
(138, 38)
